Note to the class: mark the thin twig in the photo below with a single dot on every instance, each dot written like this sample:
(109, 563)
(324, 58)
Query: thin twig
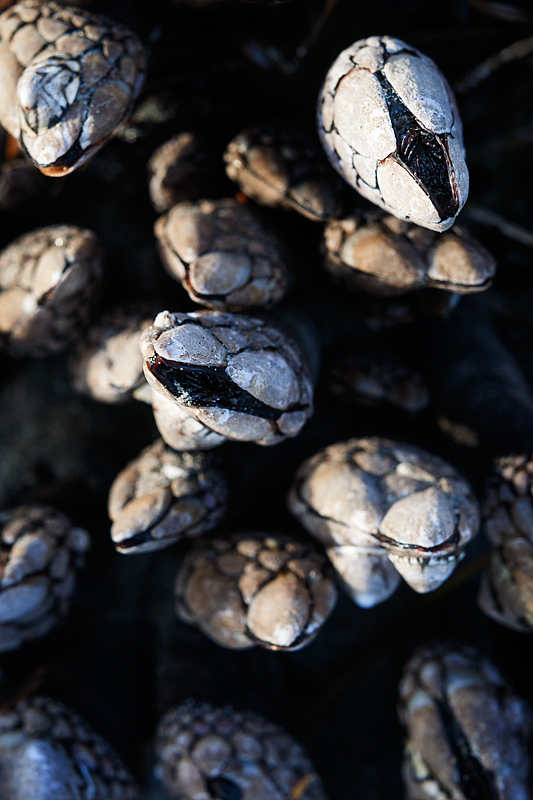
(267, 56)
(303, 49)
(493, 220)
(520, 49)
(504, 11)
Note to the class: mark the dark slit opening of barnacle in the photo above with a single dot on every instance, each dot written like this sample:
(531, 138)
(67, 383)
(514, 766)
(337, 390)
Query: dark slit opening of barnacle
(463, 288)
(476, 783)
(136, 539)
(453, 540)
(65, 161)
(210, 387)
(224, 789)
(423, 153)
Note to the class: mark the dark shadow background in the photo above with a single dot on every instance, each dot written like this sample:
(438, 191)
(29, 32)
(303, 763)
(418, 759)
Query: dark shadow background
(122, 658)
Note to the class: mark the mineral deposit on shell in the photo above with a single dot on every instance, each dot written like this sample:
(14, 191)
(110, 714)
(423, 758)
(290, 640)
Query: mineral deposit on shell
(174, 169)
(108, 364)
(390, 126)
(179, 429)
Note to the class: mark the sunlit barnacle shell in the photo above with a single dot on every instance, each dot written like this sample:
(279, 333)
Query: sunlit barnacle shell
(390, 126)
(256, 589)
(224, 754)
(380, 254)
(222, 255)
(49, 280)
(240, 377)
(47, 752)
(506, 592)
(68, 78)
(40, 554)
(383, 508)
(276, 167)
(467, 731)
(107, 364)
(163, 496)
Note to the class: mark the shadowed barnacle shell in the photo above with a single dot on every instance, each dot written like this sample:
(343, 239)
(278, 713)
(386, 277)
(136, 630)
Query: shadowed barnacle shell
(48, 280)
(506, 592)
(222, 255)
(162, 496)
(383, 255)
(68, 78)
(47, 752)
(174, 169)
(40, 554)
(372, 376)
(280, 168)
(256, 588)
(390, 126)
(384, 313)
(467, 731)
(107, 364)
(381, 508)
(242, 378)
(207, 752)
